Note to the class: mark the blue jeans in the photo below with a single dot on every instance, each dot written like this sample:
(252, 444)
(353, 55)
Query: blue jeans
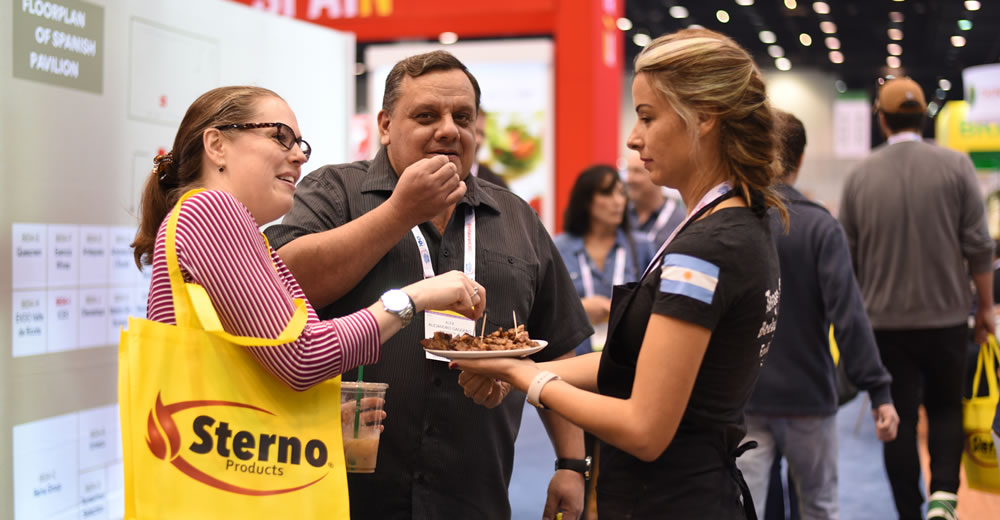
(809, 445)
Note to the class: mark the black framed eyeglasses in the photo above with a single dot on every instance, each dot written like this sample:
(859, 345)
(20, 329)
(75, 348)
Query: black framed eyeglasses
(285, 136)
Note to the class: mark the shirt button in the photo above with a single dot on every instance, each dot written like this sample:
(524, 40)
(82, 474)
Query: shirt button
(436, 380)
(419, 477)
(510, 259)
(429, 430)
(445, 252)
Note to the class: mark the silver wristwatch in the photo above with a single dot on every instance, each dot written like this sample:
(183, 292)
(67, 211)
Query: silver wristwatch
(397, 302)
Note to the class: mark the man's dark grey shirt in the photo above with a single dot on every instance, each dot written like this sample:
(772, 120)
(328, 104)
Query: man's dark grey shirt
(441, 455)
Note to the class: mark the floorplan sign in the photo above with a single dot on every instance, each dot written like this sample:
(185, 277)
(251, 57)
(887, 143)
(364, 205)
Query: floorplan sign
(59, 42)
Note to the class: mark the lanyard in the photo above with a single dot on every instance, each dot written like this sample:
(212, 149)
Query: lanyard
(661, 219)
(588, 279)
(712, 196)
(469, 236)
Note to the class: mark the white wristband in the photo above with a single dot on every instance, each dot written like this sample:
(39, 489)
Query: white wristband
(535, 389)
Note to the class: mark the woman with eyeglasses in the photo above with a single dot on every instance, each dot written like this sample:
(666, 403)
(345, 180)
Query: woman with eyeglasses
(240, 147)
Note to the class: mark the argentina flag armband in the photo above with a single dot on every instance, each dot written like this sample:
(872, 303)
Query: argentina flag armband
(689, 276)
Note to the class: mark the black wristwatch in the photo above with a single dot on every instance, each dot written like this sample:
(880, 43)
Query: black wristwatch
(581, 466)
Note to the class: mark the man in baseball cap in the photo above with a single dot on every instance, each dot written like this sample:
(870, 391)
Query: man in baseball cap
(915, 222)
(901, 96)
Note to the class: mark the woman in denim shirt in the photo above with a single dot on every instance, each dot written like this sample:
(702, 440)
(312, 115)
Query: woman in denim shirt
(597, 246)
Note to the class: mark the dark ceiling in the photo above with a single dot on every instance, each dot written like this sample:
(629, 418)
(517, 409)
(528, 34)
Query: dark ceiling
(862, 28)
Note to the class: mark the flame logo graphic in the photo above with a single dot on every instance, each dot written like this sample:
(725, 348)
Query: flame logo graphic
(162, 434)
(158, 437)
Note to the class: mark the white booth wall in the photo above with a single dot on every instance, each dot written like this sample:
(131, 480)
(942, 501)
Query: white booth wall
(75, 148)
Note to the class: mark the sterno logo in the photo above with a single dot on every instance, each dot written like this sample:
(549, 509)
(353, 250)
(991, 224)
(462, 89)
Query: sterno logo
(164, 441)
(979, 447)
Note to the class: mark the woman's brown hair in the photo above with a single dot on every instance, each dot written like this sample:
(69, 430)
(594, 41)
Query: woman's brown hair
(703, 73)
(180, 170)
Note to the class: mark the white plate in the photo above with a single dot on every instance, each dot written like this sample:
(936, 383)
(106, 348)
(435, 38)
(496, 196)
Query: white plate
(486, 354)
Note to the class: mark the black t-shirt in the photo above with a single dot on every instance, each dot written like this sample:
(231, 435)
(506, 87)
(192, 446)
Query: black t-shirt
(720, 273)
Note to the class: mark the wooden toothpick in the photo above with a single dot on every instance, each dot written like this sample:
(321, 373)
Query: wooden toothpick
(514, 313)
(482, 331)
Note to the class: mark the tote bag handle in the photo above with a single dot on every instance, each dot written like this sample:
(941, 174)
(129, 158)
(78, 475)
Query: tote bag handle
(989, 352)
(191, 300)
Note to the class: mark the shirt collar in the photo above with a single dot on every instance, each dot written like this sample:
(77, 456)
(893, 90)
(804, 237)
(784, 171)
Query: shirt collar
(789, 192)
(634, 214)
(903, 137)
(382, 177)
(576, 245)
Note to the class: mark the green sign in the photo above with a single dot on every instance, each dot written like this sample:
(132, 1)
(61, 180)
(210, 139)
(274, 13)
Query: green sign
(59, 42)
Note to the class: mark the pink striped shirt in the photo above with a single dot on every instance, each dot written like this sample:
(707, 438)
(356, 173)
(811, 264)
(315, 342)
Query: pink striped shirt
(220, 248)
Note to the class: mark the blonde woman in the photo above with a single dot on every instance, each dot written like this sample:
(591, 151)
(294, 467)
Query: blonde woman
(686, 342)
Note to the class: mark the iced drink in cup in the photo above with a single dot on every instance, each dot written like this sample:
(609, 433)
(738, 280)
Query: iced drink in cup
(361, 415)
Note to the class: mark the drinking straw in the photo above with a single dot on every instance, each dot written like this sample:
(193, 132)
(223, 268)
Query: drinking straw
(357, 400)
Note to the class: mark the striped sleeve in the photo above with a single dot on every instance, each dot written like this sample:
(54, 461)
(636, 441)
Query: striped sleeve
(220, 248)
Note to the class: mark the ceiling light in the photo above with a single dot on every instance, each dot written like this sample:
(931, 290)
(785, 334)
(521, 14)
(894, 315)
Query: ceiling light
(722, 16)
(783, 64)
(641, 39)
(767, 37)
(832, 43)
(805, 40)
(932, 109)
(944, 84)
(836, 57)
(894, 49)
(895, 34)
(821, 7)
(840, 86)
(679, 11)
(447, 38)
(940, 93)
(965, 25)
(893, 62)
(791, 4)
(624, 24)
(775, 51)
(744, 3)
(896, 16)
(696, 26)
(828, 27)
(958, 41)
(972, 5)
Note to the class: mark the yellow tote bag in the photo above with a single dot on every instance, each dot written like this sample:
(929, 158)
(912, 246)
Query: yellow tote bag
(979, 454)
(208, 433)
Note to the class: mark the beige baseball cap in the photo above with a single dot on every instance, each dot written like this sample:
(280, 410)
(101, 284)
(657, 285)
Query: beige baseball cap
(901, 96)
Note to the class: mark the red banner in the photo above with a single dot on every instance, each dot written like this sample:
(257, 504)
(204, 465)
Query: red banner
(588, 55)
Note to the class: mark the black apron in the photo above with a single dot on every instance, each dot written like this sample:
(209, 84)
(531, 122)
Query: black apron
(696, 477)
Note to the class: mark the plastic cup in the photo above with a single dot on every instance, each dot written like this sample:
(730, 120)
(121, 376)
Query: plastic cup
(361, 405)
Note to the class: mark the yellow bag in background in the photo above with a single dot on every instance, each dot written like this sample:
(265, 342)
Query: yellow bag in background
(209, 433)
(979, 454)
